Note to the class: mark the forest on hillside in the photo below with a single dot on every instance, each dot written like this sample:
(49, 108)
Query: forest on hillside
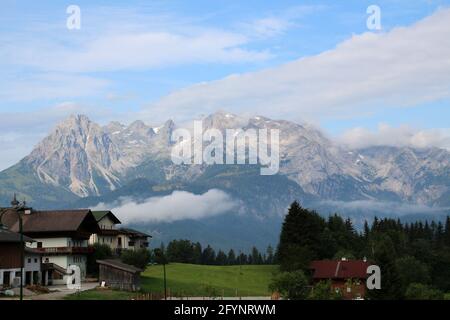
(414, 257)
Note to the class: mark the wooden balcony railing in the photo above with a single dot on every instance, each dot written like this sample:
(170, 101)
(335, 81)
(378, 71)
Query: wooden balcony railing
(66, 250)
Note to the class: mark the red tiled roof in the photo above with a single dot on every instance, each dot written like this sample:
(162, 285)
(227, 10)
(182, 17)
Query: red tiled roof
(339, 269)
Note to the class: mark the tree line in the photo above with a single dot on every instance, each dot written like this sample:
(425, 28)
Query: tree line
(185, 251)
(414, 257)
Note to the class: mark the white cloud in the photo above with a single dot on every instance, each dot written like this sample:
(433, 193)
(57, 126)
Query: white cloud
(179, 205)
(138, 50)
(144, 40)
(279, 22)
(396, 136)
(50, 86)
(403, 67)
(383, 208)
(267, 27)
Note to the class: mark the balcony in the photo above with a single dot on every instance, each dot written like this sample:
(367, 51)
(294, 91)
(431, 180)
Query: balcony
(66, 250)
(108, 232)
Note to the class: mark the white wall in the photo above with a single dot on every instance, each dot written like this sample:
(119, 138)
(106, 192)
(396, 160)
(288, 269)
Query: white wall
(125, 240)
(111, 241)
(106, 223)
(61, 261)
(34, 264)
(51, 242)
(12, 274)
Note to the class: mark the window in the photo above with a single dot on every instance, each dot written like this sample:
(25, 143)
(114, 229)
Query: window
(39, 244)
(29, 260)
(35, 260)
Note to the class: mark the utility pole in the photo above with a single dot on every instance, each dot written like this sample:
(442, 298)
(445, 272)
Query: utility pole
(165, 282)
(160, 258)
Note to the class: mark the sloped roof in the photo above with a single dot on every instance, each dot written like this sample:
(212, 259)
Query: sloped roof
(9, 236)
(339, 269)
(50, 221)
(134, 233)
(99, 215)
(117, 264)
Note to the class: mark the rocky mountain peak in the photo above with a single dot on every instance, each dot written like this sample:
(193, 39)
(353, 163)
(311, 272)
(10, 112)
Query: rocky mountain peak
(86, 159)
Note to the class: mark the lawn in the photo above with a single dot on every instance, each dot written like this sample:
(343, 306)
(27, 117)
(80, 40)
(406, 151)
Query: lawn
(195, 281)
(198, 280)
(101, 294)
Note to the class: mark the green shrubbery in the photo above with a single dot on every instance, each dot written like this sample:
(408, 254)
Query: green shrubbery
(138, 258)
(101, 251)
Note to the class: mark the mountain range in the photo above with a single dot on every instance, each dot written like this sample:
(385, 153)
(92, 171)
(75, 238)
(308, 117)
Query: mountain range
(83, 164)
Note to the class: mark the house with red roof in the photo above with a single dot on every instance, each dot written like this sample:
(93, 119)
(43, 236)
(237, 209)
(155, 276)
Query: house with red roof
(348, 277)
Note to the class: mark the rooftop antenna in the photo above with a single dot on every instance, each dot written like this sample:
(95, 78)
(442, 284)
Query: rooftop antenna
(14, 202)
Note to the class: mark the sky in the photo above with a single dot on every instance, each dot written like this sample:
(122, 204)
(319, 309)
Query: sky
(306, 61)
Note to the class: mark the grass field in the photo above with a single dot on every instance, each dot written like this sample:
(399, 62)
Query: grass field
(196, 281)
(101, 294)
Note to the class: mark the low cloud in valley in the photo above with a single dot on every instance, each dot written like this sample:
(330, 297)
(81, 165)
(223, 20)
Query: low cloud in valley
(179, 205)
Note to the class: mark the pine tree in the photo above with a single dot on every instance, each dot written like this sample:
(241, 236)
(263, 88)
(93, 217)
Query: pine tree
(447, 232)
(208, 256)
(231, 257)
(197, 253)
(385, 255)
(269, 255)
(221, 258)
(366, 231)
(256, 256)
(300, 238)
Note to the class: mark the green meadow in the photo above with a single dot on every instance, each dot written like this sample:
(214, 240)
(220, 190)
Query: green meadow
(189, 280)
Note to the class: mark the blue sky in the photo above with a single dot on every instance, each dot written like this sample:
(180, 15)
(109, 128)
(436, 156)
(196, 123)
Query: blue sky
(176, 59)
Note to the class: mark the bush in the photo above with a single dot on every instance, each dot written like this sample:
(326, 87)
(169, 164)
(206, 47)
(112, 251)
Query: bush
(412, 270)
(101, 251)
(138, 258)
(291, 285)
(419, 291)
(323, 291)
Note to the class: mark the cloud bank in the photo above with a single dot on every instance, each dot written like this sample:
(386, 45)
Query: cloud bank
(179, 205)
(403, 67)
(396, 137)
(383, 208)
(145, 50)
